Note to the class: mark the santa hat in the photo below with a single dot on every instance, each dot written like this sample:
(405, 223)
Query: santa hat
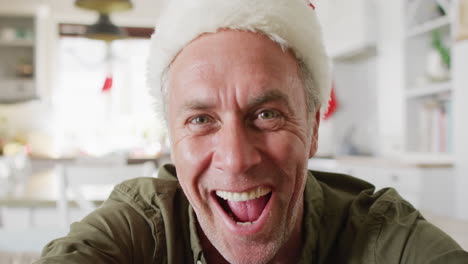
(292, 24)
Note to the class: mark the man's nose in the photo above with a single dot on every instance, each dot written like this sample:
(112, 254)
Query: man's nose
(236, 150)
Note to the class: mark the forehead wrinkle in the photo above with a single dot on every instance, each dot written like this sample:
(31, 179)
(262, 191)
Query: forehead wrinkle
(270, 96)
(199, 70)
(193, 74)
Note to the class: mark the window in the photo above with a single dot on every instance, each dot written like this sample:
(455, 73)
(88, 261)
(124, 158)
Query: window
(97, 122)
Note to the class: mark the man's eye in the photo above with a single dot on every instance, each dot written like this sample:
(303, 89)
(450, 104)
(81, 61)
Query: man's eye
(268, 119)
(200, 120)
(267, 114)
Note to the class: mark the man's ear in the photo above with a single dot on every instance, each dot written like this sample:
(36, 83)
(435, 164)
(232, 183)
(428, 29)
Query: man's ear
(314, 142)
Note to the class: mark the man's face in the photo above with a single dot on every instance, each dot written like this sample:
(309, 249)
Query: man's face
(241, 136)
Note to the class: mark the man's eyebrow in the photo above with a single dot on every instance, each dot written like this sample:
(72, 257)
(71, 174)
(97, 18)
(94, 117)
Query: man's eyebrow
(195, 105)
(270, 96)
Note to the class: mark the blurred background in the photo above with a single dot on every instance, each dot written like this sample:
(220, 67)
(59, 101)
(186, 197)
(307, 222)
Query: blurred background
(76, 117)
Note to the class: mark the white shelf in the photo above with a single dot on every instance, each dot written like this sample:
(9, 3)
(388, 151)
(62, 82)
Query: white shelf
(429, 26)
(18, 100)
(17, 80)
(17, 91)
(429, 127)
(17, 43)
(429, 90)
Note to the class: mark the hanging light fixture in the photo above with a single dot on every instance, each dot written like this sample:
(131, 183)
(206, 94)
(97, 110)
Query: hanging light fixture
(105, 6)
(105, 30)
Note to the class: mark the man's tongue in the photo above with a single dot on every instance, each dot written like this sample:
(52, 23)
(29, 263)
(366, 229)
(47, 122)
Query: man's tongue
(248, 211)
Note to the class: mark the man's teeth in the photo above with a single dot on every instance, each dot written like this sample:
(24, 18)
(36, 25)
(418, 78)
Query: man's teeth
(244, 196)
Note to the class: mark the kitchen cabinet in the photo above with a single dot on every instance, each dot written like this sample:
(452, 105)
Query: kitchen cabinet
(17, 66)
(24, 61)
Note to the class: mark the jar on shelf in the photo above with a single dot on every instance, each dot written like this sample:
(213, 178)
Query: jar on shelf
(24, 68)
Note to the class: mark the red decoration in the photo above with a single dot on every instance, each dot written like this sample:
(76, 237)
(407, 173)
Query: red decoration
(332, 104)
(107, 84)
(311, 5)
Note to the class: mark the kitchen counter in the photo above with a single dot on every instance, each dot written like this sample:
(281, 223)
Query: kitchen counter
(410, 161)
(426, 183)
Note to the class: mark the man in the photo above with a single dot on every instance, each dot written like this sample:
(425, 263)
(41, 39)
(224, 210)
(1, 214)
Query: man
(241, 84)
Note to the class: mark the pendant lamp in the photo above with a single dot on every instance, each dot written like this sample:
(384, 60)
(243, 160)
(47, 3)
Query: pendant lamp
(105, 30)
(105, 6)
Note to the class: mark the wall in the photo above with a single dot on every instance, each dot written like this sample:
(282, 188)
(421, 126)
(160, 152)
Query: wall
(356, 118)
(460, 78)
(350, 42)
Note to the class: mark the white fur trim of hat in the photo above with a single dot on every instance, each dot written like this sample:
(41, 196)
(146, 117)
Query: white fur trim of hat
(290, 23)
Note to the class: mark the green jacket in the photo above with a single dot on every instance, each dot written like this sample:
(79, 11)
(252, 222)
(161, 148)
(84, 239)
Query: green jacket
(149, 220)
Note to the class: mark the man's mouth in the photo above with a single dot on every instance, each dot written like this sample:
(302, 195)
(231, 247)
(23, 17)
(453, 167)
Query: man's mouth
(244, 207)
